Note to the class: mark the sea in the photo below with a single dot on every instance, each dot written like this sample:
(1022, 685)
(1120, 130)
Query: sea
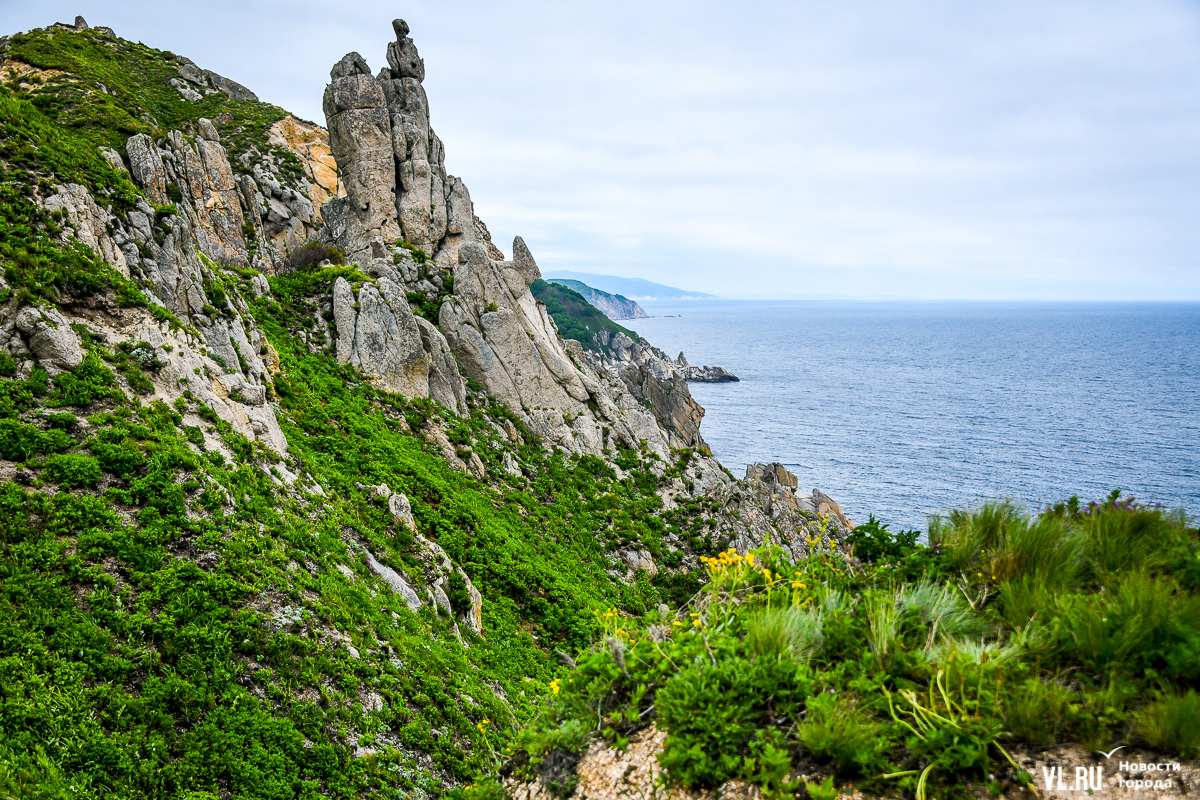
(905, 410)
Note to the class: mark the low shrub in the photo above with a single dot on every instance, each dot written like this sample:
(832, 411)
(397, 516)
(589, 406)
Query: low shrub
(312, 254)
(835, 729)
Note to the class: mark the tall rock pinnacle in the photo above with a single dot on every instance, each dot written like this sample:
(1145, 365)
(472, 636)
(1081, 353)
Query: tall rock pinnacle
(381, 138)
(360, 137)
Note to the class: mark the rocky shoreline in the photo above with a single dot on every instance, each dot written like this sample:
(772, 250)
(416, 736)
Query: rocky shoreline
(627, 352)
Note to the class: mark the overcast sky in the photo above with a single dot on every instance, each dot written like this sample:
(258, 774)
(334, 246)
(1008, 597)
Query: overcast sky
(1023, 150)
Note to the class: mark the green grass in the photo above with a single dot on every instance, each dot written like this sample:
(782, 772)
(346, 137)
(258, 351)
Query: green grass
(918, 671)
(115, 88)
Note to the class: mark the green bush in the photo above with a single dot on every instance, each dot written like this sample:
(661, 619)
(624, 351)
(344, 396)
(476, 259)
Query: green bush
(90, 381)
(312, 254)
(72, 471)
(872, 541)
(713, 711)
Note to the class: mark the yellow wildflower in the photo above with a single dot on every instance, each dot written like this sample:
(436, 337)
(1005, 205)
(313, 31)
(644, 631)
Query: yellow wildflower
(554, 686)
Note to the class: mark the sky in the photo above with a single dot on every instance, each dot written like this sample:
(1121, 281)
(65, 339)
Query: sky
(933, 150)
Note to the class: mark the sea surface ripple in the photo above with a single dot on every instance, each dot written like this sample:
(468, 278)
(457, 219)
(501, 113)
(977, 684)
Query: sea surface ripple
(903, 410)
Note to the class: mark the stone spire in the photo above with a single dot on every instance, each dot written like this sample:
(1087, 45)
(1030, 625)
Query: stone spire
(360, 137)
(429, 209)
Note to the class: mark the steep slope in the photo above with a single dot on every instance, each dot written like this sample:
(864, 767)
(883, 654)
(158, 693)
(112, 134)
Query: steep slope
(614, 306)
(276, 528)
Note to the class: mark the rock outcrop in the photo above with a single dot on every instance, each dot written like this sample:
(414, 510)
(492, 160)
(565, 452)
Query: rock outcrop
(89, 223)
(617, 350)
(766, 508)
(378, 333)
(205, 81)
(48, 336)
(310, 143)
(506, 341)
(360, 136)
(194, 210)
(392, 163)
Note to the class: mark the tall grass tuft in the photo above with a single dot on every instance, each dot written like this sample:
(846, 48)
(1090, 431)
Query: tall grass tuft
(1035, 710)
(1118, 540)
(883, 626)
(836, 730)
(945, 612)
(1000, 543)
(1171, 724)
(1142, 622)
(785, 633)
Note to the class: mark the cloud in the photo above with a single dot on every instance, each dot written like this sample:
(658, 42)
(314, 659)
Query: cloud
(1024, 150)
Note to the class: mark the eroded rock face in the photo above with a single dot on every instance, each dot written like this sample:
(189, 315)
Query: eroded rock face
(506, 341)
(201, 171)
(360, 136)
(624, 351)
(208, 217)
(310, 143)
(378, 333)
(49, 337)
(89, 222)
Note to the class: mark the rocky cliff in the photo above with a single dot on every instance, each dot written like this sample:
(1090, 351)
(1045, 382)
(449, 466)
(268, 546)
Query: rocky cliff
(400, 204)
(343, 510)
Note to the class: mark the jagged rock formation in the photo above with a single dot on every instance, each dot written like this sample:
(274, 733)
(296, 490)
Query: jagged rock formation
(378, 333)
(393, 169)
(614, 306)
(766, 508)
(507, 342)
(89, 222)
(194, 214)
(623, 351)
(392, 163)
(205, 81)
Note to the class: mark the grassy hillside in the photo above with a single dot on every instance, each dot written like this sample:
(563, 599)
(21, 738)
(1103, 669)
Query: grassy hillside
(575, 317)
(111, 89)
(171, 621)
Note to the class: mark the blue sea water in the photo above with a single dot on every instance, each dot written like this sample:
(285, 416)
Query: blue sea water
(909, 409)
